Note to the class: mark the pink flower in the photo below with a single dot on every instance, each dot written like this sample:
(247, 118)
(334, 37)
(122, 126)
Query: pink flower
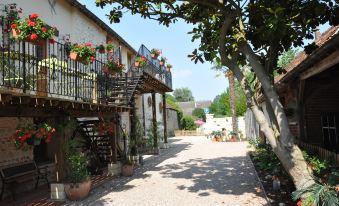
(33, 37)
(33, 16)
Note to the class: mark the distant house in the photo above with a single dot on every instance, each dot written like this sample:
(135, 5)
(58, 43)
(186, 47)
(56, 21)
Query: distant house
(188, 107)
(309, 92)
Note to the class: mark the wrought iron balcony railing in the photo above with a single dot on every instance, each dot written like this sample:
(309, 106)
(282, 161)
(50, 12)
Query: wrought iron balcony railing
(46, 70)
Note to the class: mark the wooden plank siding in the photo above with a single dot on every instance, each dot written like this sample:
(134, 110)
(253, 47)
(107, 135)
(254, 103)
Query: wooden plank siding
(321, 97)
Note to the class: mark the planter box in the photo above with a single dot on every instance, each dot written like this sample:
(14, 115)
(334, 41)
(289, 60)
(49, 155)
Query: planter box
(113, 169)
(74, 56)
(58, 192)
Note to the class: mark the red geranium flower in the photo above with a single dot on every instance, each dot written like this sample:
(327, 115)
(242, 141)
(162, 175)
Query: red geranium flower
(33, 16)
(92, 59)
(14, 26)
(28, 21)
(32, 23)
(43, 29)
(299, 203)
(88, 44)
(34, 37)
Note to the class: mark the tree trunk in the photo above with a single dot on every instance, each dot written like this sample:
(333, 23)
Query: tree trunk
(232, 100)
(287, 151)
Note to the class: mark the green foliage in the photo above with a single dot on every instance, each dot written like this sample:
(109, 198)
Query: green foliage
(183, 94)
(286, 57)
(153, 138)
(221, 103)
(187, 123)
(318, 194)
(76, 162)
(265, 158)
(217, 133)
(318, 165)
(199, 113)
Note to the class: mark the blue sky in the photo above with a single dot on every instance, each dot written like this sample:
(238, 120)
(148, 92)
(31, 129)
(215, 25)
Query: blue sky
(176, 45)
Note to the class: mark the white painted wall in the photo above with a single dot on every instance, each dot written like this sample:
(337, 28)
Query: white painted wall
(217, 124)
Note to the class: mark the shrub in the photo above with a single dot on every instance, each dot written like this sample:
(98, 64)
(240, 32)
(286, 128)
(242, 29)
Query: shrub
(187, 123)
(199, 113)
(318, 165)
(265, 158)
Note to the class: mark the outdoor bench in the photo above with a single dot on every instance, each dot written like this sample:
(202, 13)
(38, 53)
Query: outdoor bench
(13, 175)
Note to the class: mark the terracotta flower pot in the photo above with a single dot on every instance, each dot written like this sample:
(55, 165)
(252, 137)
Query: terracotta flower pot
(102, 50)
(74, 56)
(168, 69)
(127, 170)
(162, 63)
(38, 42)
(154, 56)
(137, 64)
(77, 191)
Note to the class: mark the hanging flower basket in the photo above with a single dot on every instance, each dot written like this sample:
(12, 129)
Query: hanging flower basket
(140, 61)
(155, 53)
(113, 67)
(163, 61)
(101, 49)
(136, 64)
(168, 67)
(31, 135)
(84, 53)
(32, 30)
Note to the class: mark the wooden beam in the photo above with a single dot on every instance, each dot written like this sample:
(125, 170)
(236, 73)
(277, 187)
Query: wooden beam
(321, 66)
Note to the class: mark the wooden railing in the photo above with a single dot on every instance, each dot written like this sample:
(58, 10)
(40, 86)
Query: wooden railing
(323, 153)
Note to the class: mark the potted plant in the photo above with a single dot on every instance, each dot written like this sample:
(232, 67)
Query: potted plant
(32, 30)
(233, 136)
(101, 49)
(163, 61)
(217, 136)
(79, 184)
(127, 168)
(155, 53)
(109, 47)
(140, 61)
(168, 67)
(30, 135)
(10, 14)
(83, 53)
(113, 66)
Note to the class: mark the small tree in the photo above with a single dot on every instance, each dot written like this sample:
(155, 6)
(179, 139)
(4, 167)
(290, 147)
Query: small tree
(187, 123)
(183, 94)
(199, 113)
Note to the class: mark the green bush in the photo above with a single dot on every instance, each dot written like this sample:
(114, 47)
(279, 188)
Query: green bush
(265, 158)
(318, 165)
(199, 113)
(187, 123)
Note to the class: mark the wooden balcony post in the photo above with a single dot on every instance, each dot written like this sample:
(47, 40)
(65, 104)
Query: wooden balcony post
(164, 116)
(42, 73)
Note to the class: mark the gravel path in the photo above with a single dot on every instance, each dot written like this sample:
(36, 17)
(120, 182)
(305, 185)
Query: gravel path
(194, 171)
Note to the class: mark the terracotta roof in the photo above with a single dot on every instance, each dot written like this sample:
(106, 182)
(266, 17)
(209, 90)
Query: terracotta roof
(103, 25)
(302, 56)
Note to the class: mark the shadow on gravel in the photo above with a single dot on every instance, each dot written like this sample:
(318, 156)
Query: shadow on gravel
(226, 175)
(120, 184)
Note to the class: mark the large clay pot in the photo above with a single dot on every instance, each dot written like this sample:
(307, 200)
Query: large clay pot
(77, 191)
(127, 170)
(74, 56)
(154, 56)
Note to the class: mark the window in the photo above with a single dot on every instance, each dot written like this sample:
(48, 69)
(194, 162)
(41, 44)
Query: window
(329, 129)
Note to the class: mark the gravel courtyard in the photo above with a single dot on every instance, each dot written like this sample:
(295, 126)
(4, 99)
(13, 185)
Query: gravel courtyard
(194, 171)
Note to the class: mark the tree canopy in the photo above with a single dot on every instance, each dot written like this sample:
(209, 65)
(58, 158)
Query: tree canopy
(183, 94)
(221, 104)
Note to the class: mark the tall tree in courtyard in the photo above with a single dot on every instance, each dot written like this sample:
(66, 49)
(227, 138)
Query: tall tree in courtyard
(231, 84)
(236, 33)
(183, 94)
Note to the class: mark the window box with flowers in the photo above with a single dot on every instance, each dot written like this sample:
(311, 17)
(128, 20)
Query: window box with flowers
(30, 135)
(163, 61)
(140, 61)
(168, 67)
(83, 53)
(155, 53)
(113, 67)
(32, 30)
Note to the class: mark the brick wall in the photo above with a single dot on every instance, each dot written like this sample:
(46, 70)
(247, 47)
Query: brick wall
(8, 152)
